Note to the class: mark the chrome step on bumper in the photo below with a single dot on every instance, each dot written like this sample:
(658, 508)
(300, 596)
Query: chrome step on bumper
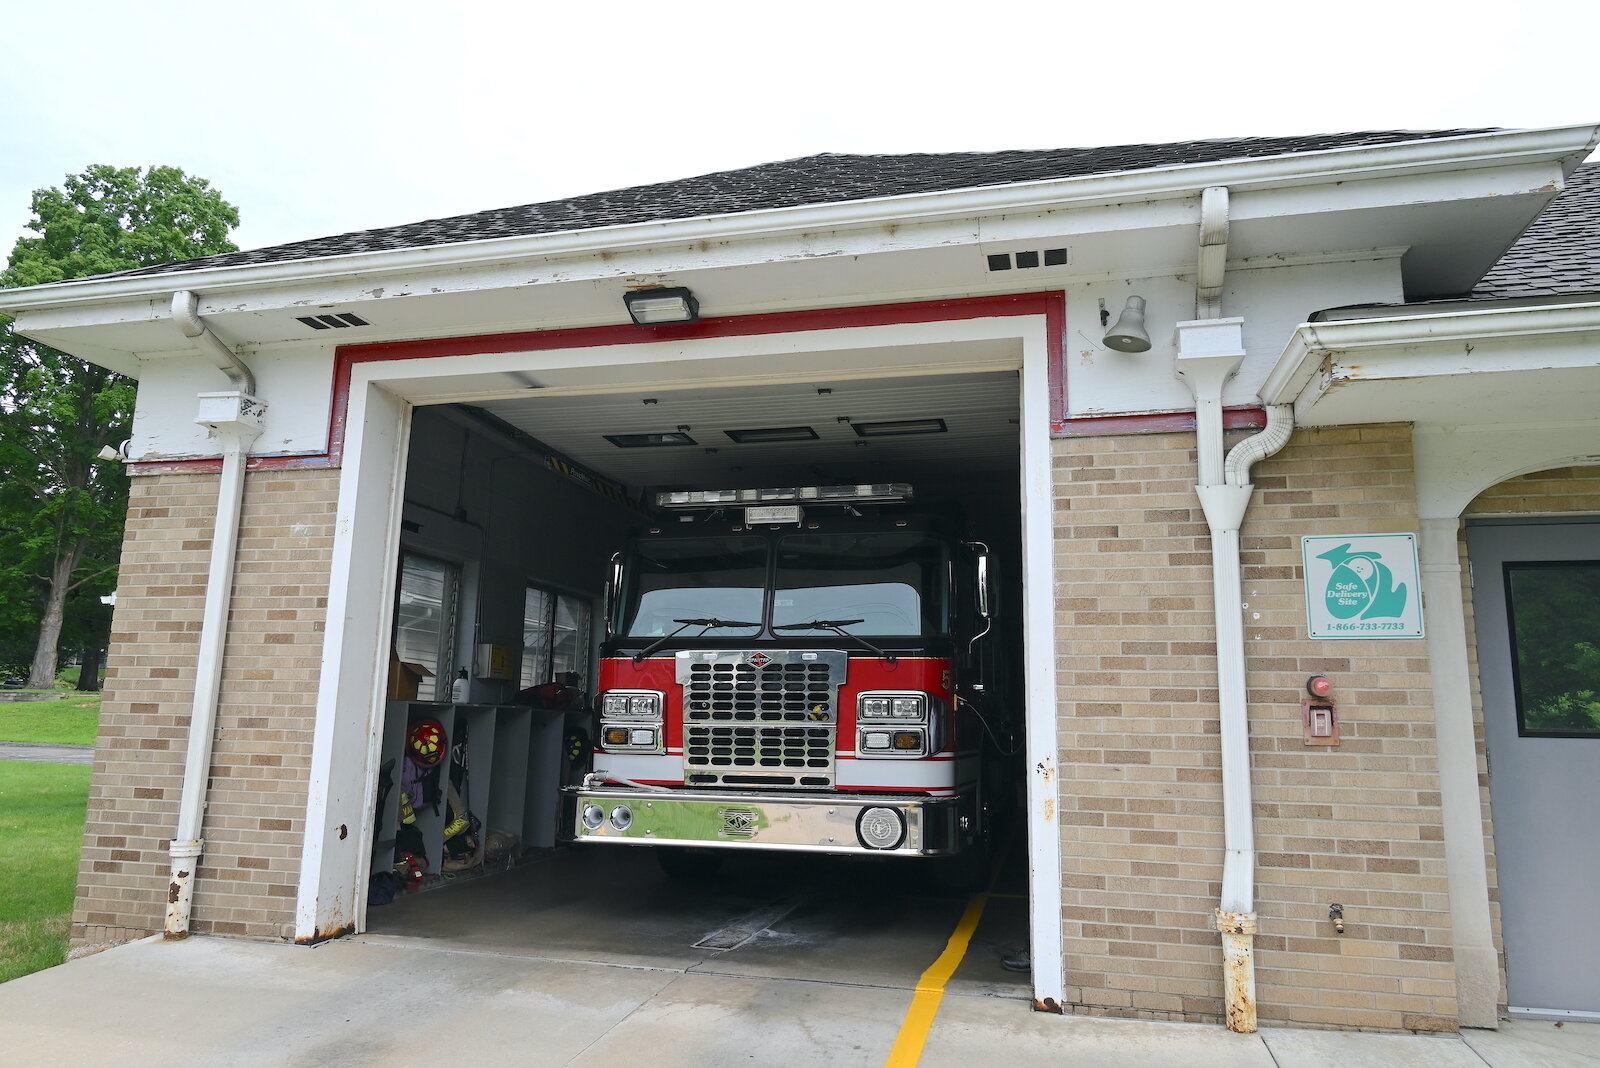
(871, 825)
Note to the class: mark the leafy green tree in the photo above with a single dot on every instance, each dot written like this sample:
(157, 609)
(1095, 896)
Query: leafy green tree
(61, 510)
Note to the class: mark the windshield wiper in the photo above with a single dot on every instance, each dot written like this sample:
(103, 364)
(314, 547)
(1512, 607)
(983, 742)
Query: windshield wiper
(837, 626)
(687, 623)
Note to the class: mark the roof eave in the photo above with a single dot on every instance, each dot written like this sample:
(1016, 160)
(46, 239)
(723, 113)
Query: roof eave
(1568, 144)
(1312, 343)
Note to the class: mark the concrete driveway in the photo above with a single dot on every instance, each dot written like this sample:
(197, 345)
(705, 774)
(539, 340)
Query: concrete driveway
(220, 1002)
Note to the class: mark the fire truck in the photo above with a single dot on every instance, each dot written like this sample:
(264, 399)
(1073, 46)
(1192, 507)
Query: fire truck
(813, 669)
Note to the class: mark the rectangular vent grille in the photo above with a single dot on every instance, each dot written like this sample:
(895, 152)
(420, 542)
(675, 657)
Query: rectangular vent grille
(341, 321)
(1005, 261)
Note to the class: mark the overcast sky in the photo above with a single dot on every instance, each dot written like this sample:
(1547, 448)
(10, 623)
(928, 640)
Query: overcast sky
(316, 118)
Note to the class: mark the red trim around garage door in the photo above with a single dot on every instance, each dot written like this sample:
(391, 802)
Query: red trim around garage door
(1052, 305)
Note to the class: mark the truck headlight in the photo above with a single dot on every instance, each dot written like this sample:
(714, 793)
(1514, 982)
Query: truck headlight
(906, 706)
(631, 704)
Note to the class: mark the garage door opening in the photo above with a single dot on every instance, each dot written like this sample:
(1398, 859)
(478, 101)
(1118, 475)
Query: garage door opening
(504, 650)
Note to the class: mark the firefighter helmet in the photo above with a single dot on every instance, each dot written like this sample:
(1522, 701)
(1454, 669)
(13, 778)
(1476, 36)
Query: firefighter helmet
(425, 743)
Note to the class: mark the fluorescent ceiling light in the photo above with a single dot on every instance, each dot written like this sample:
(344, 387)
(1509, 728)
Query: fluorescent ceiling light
(644, 441)
(772, 433)
(898, 427)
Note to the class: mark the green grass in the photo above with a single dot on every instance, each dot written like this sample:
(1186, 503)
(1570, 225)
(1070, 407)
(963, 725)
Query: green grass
(69, 721)
(41, 831)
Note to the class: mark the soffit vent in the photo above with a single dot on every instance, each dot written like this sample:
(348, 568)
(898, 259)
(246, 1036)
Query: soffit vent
(1005, 261)
(341, 321)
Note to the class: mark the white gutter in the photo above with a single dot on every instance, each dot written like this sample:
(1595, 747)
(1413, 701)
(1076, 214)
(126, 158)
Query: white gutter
(1177, 182)
(1312, 343)
(235, 418)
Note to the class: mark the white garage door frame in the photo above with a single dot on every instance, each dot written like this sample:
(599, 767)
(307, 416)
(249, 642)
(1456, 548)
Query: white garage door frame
(381, 395)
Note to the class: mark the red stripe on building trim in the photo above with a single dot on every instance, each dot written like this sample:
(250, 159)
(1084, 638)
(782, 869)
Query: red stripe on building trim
(1052, 305)
(1105, 426)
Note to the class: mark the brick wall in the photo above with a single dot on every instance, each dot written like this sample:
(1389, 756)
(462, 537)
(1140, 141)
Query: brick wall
(1141, 799)
(246, 881)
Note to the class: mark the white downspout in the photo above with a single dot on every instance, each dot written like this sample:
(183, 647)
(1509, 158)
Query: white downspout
(1210, 350)
(234, 418)
(184, 306)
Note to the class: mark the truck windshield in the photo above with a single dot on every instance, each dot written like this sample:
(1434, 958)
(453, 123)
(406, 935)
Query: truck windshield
(694, 578)
(884, 584)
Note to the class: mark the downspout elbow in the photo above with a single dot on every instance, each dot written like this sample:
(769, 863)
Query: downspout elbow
(185, 305)
(1245, 455)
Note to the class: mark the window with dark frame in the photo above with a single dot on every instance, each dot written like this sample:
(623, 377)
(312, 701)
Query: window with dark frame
(555, 636)
(1553, 619)
(425, 620)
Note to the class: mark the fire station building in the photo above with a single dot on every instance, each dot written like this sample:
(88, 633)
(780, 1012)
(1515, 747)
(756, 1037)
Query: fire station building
(1285, 450)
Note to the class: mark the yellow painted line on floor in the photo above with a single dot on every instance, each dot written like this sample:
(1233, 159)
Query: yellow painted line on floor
(914, 1028)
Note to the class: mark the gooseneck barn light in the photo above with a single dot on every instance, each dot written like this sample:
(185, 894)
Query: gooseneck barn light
(1128, 335)
(652, 307)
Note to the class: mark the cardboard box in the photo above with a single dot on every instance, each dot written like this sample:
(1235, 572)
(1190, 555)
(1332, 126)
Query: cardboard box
(405, 678)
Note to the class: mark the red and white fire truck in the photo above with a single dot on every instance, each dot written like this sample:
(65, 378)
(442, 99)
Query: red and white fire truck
(812, 669)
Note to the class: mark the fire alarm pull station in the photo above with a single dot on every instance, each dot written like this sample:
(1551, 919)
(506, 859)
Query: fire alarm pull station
(1317, 712)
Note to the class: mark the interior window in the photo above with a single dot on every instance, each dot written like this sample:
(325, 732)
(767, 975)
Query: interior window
(1555, 645)
(425, 621)
(555, 637)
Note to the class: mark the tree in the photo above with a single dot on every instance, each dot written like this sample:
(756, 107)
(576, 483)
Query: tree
(61, 510)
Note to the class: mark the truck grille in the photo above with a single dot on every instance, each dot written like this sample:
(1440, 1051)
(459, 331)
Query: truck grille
(760, 718)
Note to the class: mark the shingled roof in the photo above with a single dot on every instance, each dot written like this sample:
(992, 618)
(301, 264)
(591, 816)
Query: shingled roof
(1559, 254)
(822, 179)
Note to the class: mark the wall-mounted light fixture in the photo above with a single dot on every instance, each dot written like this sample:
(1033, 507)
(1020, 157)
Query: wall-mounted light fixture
(652, 307)
(1128, 334)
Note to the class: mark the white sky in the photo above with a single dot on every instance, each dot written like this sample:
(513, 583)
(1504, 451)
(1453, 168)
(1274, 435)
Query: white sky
(316, 117)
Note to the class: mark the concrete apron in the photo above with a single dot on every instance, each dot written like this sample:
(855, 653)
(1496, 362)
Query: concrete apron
(209, 1001)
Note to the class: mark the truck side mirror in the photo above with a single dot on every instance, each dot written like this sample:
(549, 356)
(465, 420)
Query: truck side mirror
(983, 585)
(613, 582)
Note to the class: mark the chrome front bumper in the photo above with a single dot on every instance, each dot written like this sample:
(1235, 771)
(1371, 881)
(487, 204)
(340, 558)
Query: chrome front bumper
(796, 822)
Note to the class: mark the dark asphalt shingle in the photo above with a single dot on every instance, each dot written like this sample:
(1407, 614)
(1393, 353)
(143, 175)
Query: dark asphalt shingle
(821, 179)
(1559, 254)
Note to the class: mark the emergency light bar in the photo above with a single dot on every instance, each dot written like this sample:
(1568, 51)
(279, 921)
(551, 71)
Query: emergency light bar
(720, 498)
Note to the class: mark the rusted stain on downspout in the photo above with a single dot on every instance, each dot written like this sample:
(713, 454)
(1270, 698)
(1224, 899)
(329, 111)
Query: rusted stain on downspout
(1238, 931)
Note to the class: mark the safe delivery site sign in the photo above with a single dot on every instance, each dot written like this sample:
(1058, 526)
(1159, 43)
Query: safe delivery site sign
(1362, 586)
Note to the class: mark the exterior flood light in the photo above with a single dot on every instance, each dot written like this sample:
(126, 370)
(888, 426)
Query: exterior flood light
(653, 307)
(1129, 334)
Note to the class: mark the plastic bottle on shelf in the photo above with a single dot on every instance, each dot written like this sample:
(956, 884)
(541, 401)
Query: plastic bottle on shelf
(458, 688)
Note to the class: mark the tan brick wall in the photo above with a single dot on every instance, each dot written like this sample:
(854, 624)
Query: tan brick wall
(1562, 491)
(246, 881)
(1141, 804)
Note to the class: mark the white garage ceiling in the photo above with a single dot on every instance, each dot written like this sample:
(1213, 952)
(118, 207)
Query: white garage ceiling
(979, 413)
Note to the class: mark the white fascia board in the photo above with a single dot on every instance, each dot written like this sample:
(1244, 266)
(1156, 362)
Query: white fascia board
(1341, 164)
(1312, 343)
